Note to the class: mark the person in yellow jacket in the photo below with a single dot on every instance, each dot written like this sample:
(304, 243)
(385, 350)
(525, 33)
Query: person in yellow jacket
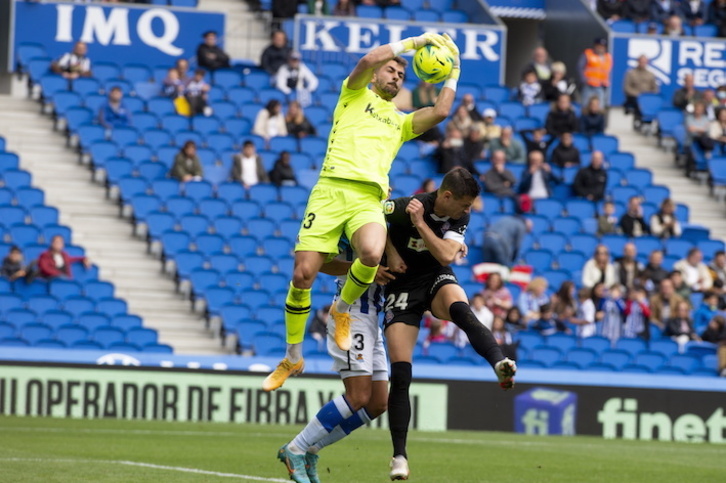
(594, 66)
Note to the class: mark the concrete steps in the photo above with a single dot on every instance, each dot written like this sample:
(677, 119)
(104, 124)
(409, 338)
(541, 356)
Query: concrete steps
(108, 239)
(704, 209)
(246, 33)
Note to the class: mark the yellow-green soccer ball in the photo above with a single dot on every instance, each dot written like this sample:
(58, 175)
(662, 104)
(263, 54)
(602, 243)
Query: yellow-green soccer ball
(432, 64)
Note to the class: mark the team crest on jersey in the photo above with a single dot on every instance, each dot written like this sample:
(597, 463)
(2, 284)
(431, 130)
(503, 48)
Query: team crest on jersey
(359, 357)
(389, 315)
(388, 207)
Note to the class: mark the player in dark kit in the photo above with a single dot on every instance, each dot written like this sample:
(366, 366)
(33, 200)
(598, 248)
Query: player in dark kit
(425, 235)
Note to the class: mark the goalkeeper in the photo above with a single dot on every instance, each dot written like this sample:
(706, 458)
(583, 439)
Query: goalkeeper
(366, 135)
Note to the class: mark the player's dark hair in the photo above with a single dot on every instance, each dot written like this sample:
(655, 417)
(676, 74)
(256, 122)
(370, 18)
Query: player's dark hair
(461, 183)
(400, 61)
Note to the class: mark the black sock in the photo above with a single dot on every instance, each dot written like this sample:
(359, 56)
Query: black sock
(480, 337)
(399, 406)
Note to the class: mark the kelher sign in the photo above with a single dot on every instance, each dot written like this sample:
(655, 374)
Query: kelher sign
(120, 34)
(670, 59)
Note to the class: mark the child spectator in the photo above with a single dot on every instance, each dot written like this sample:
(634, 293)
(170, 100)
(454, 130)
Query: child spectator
(707, 310)
(187, 166)
(282, 174)
(270, 122)
(565, 154)
(637, 315)
(680, 327)
(114, 113)
(664, 224)
(584, 318)
(497, 296)
(612, 311)
(247, 167)
(547, 324)
(514, 321)
(295, 76)
(504, 338)
(607, 222)
(715, 331)
(210, 55)
(297, 124)
(530, 90)
(592, 120)
(564, 304)
(196, 94)
(481, 311)
(74, 64)
(56, 262)
(172, 85)
(13, 266)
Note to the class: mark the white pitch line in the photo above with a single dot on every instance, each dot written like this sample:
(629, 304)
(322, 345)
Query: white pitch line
(141, 431)
(146, 465)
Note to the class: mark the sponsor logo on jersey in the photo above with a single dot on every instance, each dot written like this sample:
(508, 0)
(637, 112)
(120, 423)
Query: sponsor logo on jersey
(417, 244)
(442, 278)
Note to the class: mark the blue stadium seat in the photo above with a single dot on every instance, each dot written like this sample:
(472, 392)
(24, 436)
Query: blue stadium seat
(161, 106)
(580, 208)
(112, 306)
(209, 243)
(597, 343)
(93, 320)
(530, 339)
(223, 262)
(70, 334)
(98, 289)
(263, 193)
(87, 345)
(186, 261)
(677, 247)
(614, 357)
(277, 247)
(198, 190)
(260, 228)
(179, 206)
(265, 343)
(397, 13)
(582, 357)
(567, 225)
(56, 318)
(563, 342)
(454, 16)
(14, 342)
(258, 264)
(243, 245)
(231, 192)
(240, 282)
(141, 336)
(174, 242)
(666, 347)
(546, 355)
(710, 247)
(639, 178)
(50, 84)
(107, 335)
(542, 259)
(651, 360)
(12, 215)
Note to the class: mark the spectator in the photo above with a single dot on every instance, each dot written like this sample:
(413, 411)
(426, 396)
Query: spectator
(680, 285)
(474, 144)
(607, 222)
(538, 179)
(114, 113)
(461, 120)
(717, 129)
(283, 9)
(247, 167)
(504, 338)
(590, 181)
(718, 266)
(565, 154)
(594, 66)
(654, 273)
(693, 12)
(637, 10)
(684, 97)
(715, 332)
(710, 103)
(706, 311)
(470, 104)
(451, 154)
(637, 314)
(533, 302)
(680, 327)
(196, 93)
(424, 95)
(512, 147)
(530, 90)
(514, 322)
(296, 123)
(673, 26)
(270, 122)
(695, 272)
(172, 86)
(499, 180)
(540, 64)
(481, 311)
(592, 120)
(182, 67)
(276, 54)
(186, 165)
(564, 303)
(344, 8)
(638, 80)
(627, 267)
(489, 130)
(586, 314)
(318, 328)
(318, 7)
(598, 269)
(664, 224)
(557, 84)
(294, 76)
(611, 10)
(547, 324)
(74, 64)
(210, 55)
(537, 141)
(503, 239)
(661, 10)
(13, 266)
(282, 173)
(55, 262)
(612, 313)
(698, 127)
(427, 186)
(562, 117)
(717, 15)
(664, 303)
(632, 222)
(496, 295)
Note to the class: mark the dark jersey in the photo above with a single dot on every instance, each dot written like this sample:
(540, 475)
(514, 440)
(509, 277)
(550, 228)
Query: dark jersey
(406, 238)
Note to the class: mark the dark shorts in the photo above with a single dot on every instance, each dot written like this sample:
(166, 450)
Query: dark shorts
(408, 299)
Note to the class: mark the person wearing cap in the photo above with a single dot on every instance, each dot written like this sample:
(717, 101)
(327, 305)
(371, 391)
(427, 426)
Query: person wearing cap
(295, 76)
(210, 55)
(594, 66)
(489, 130)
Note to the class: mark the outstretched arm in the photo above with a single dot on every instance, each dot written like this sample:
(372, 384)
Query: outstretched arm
(363, 71)
(426, 118)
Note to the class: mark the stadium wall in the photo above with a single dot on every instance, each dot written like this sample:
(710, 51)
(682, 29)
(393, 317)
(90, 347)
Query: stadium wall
(629, 406)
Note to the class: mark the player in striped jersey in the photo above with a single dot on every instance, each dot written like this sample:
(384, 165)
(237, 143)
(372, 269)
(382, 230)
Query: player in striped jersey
(363, 368)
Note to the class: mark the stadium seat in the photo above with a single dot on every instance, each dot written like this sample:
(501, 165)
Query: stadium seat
(631, 346)
(70, 334)
(530, 339)
(107, 335)
(141, 336)
(126, 322)
(613, 357)
(243, 245)
(546, 355)
(597, 343)
(580, 356)
(685, 362)
(563, 342)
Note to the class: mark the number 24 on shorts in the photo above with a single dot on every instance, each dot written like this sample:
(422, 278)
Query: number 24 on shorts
(401, 303)
(309, 218)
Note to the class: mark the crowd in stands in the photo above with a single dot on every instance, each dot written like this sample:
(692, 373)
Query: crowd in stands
(54, 263)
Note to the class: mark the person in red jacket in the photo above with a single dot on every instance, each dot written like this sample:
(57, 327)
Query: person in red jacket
(56, 262)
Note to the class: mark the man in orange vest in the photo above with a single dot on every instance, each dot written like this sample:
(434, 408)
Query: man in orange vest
(594, 66)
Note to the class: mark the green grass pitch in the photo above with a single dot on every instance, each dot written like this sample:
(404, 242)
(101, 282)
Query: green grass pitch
(65, 450)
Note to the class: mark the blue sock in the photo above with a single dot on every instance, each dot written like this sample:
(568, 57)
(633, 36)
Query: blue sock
(333, 414)
(346, 427)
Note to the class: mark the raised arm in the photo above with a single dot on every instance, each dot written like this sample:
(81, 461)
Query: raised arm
(427, 117)
(363, 71)
(444, 250)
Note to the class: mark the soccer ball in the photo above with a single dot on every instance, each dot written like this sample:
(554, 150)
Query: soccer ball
(432, 64)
